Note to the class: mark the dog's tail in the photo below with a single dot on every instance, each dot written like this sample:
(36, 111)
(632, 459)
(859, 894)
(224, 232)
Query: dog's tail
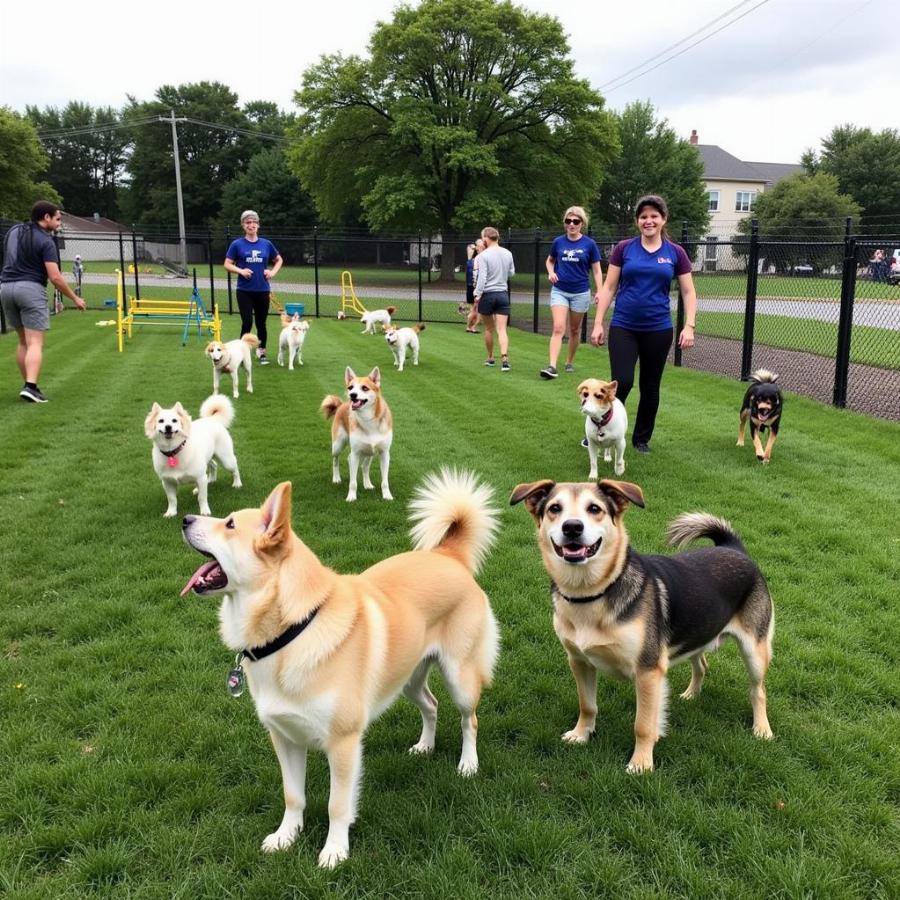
(453, 511)
(764, 376)
(250, 339)
(218, 407)
(391, 310)
(329, 406)
(690, 526)
(419, 327)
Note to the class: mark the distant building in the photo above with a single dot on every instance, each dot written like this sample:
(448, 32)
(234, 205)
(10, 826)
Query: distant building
(91, 238)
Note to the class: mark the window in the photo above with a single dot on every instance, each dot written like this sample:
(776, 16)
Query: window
(713, 200)
(712, 250)
(744, 201)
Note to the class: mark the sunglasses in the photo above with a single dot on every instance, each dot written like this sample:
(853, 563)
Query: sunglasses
(572, 221)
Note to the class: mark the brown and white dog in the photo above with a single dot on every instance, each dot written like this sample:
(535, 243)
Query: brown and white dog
(227, 359)
(185, 449)
(291, 339)
(632, 615)
(605, 422)
(364, 421)
(762, 406)
(345, 646)
(402, 339)
(376, 317)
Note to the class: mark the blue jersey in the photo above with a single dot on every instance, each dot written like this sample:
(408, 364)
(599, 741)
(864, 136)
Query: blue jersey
(257, 256)
(26, 248)
(572, 262)
(642, 297)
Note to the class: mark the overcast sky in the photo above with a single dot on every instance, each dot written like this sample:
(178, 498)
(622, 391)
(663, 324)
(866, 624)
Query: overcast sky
(764, 88)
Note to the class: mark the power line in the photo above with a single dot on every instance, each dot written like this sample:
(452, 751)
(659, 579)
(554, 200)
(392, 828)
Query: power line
(99, 128)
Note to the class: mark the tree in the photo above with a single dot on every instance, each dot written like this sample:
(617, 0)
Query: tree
(802, 205)
(86, 160)
(867, 167)
(467, 113)
(22, 160)
(652, 160)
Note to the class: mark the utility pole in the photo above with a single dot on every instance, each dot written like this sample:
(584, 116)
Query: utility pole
(181, 235)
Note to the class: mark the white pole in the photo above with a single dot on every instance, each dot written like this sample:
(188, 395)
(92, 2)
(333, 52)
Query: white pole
(181, 233)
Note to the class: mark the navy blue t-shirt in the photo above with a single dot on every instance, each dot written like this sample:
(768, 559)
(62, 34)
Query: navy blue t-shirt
(26, 248)
(573, 261)
(257, 256)
(642, 297)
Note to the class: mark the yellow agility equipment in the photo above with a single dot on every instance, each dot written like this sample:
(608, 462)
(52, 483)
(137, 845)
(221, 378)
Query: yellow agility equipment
(148, 311)
(349, 300)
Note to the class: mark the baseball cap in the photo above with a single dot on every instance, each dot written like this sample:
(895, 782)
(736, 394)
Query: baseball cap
(249, 214)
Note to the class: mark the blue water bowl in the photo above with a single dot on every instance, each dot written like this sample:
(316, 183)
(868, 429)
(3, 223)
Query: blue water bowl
(291, 309)
(109, 303)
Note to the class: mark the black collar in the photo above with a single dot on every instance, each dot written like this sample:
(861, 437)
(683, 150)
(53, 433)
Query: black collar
(554, 589)
(605, 420)
(255, 654)
(176, 451)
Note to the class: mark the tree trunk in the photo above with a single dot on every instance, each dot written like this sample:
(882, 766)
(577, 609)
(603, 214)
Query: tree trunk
(452, 253)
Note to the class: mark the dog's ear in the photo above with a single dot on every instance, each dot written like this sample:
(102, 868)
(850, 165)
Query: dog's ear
(276, 516)
(582, 386)
(375, 376)
(150, 421)
(208, 349)
(534, 494)
(296, 317)
(349, 375)
(612, 387)
(184, 417)
(621, 493)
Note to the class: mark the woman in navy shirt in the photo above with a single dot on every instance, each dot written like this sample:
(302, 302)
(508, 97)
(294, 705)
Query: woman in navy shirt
(640, 274)
(573, 257)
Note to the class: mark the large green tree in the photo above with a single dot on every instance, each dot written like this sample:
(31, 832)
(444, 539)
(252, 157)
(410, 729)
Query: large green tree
(22, 162)
(86, 160)
(867, 167)
(652, 160)
(466, 113)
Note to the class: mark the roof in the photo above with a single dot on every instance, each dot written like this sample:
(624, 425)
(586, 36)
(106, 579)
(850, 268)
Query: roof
(718, 163)
(97, 225)
(774, 172)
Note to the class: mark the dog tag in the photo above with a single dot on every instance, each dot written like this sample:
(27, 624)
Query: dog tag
(172, 461)
(235, 682)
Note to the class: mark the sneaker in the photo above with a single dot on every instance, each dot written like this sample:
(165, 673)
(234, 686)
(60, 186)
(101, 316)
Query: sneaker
(584, 443)
(32, 394)
(570, 368)
(504, 365)
(642, 447)
(490, 362)
(549, 372)
(263, 359)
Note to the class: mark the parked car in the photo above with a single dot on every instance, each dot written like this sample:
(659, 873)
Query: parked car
(803, 269)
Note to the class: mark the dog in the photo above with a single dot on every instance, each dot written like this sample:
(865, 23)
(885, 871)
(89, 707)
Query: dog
(364, 421)
(762, 405)
(401, 339)
(227, 359)
(365, 638)
(376, 317)
(186, 449)
(632, 615)
(605, 422)
(293, 334)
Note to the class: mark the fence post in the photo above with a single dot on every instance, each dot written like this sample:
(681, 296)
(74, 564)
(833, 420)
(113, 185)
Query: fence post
(212, 283)
(228, 271)
(122, 270)
(679, 307)
(419, 267)
(429, 265)
(537, 286)
(845, 318)
(316, 264)
(750, 306)
(134, 257)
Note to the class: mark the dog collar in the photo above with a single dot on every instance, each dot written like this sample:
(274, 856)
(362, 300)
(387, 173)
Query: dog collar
(255, 654)
(554, 589)
(607, 417)
(172, 455)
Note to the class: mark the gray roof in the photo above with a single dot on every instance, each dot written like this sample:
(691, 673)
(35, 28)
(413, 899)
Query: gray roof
(717, 163)
(774, 172)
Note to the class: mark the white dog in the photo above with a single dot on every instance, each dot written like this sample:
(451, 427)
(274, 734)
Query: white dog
(376, 317)
(228, 358)
(605, 422)
(293, 334)
(401, 339)
(184, 450)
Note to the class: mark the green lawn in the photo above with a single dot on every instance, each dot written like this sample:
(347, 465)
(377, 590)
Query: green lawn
(129, 771)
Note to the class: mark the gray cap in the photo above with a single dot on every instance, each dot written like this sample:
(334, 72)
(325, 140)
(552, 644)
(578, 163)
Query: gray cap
(249, 214)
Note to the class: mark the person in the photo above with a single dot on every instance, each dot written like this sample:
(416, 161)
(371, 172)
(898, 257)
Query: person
(30, 260)
(573, 257)
(879, 267)
(472, 251)
(495, 267)
(256, 261)
(77, 272)
(639, 277)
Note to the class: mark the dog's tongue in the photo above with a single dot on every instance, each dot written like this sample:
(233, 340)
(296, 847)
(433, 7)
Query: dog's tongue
(356, 404)
(575, 551)
(203, 571)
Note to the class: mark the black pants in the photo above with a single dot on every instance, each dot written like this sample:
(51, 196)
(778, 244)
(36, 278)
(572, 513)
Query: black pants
(254, 305)
(626, 348)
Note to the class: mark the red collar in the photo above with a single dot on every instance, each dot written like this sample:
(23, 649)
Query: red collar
(607, 417)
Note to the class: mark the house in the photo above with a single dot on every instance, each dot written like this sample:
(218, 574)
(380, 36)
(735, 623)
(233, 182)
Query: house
(93, 239)
(732, 186)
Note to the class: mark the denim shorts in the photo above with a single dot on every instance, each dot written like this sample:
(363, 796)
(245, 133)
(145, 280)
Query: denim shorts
(577, 303)
(25, 305)
(494, 303)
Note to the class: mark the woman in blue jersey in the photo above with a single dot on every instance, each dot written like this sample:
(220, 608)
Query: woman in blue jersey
(639, 277)
(573, 257)
(255, 260)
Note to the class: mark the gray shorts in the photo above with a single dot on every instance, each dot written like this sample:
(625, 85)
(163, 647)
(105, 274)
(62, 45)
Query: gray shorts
(25, 305)
(494, 303)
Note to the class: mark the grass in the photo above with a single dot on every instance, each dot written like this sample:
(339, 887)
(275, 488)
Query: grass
(129, 771)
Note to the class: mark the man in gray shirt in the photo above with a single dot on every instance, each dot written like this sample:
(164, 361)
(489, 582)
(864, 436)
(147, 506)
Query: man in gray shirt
(495, 267)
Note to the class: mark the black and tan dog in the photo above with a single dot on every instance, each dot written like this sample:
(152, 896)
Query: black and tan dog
(633, 616)
(762, 405)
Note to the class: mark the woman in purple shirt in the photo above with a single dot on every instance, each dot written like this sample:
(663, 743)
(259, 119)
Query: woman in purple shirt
(640, 274)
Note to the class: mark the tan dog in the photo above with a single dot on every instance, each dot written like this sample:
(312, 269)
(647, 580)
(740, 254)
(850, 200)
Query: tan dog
(402, 339)
(365, 638)
(375, 317)
(364, 421)
(291, 339)
(633, 616)
(227, 359)
(605, 422)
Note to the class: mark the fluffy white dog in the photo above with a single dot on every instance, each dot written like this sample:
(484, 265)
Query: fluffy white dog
(227, 359)
(293, 334)
(402, 339)
(376, 317)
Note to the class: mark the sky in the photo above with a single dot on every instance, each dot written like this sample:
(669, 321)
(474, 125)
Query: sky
(766, 87)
